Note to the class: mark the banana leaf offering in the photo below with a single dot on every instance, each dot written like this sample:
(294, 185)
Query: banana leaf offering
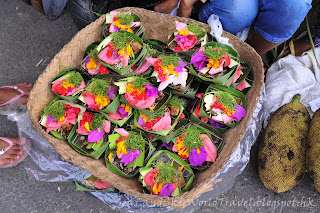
(59, 117)
(208, 123)
(121, 52)
(90, 136)
(188, 38)
(121, 116)
(101, 95)
(170, 70)
(123, 21)
(127, 152)
(68, 84)
(166, 174)
(88, 182)
(141, 94)
(217, 63)
(163, 120)
(223, 105)
(195, 146)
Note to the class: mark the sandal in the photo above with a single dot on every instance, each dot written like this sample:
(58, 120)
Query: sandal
(22, 93)
(25, 148)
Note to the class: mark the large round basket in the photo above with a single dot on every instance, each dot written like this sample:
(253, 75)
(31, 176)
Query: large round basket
(157, 26)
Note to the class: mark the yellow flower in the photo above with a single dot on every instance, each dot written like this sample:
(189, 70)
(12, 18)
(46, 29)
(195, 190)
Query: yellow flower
(122, 52)
(183, 32)
(110, 157)
(121, 149)
(61, 119)
(228, 111)
(151, 109)
(122, 26)
(156, 189)
(102, 101)
(180, 168)
(198, 150)
(144, 117)
(127, 108)
(92, 64)
(129, 50)
(87, 126)
(171, 163)
(67, 84)
(213, 63)
(182, 150)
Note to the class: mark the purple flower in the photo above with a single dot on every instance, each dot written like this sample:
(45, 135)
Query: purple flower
(191, 104)
(96, 135)
(240, 112)
(166, 190)
(179, 38)
(168, 145)
(123, 112)
(216, 124)
(197, 159)
(50, 119)
(151, 91)
(86, 61)
(182, 64)
(154, 153)
(140, 121)
(129, 157)
(110, 93)
(198, 60)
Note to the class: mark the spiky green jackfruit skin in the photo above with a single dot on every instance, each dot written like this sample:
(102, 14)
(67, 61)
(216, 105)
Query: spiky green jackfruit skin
(313, 151)
(281, 158)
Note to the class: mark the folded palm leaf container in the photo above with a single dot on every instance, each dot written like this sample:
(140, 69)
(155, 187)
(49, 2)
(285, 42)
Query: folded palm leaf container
(121, 21)
(216, 88)
(113, 162)
(105, 92)
(226, 76)
(80, 141)
(68, 84)
(172, 110)
(88, 182)
(124, 40)
(157, 26)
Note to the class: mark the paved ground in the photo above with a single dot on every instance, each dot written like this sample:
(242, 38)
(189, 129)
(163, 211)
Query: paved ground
(28, 42)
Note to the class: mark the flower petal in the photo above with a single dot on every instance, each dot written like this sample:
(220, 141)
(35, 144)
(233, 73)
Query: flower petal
(96, 135)
(181, 26)
(197, 159)
(209, 147)
(163, 124)
(240, 112)
(122, 132)
(107, 126)
(166, 190)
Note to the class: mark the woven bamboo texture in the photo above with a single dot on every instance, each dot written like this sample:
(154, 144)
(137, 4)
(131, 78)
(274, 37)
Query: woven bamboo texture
(157, 26)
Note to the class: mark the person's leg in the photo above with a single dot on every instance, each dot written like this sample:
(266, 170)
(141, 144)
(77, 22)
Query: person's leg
(12, 154)
(7, 94)
(276, 22)
(235, 15)
(166, 6)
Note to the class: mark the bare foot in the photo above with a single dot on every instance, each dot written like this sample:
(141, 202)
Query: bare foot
(12, 154)
(300, 46)
(166, 6)
(185, 8)
(7, 94)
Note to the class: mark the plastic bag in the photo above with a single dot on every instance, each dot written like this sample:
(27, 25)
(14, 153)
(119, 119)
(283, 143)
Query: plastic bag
(217, 30)
(45, 164)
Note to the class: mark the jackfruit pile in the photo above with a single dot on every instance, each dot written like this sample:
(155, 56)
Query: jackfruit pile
(282, 155)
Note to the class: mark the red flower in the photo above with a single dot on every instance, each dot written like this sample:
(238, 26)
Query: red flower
(178, 48)
(103, 70)
(134, 67)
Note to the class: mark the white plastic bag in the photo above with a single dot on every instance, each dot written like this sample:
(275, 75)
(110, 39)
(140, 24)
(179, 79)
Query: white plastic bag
(217, 30)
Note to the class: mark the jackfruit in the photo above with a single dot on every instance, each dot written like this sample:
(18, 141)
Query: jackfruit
(313, 151)
(281, 157)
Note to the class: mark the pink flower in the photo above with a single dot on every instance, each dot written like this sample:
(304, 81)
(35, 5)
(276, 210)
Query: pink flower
(142, 104)
(163, 124)
(237, 75)
(122, 132)
(242, 86)
(209, 147)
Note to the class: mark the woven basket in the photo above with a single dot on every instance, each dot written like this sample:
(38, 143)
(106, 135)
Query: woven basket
(157, 26)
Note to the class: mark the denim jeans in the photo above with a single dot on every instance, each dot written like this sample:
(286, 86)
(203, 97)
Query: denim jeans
(275, 20)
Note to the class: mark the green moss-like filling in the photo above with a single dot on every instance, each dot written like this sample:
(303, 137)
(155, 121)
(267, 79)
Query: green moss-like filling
(139, 82)
(226, 99)
(169, 59)
(135, 141)
(75, 78)
(192, 139)
(125, 18)
(167, 174)
(150, 50)
(214, 53)
(98, 87)
(98, 120)
(196, 29)
(160, 112)
(120, 40)
(56, 110)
